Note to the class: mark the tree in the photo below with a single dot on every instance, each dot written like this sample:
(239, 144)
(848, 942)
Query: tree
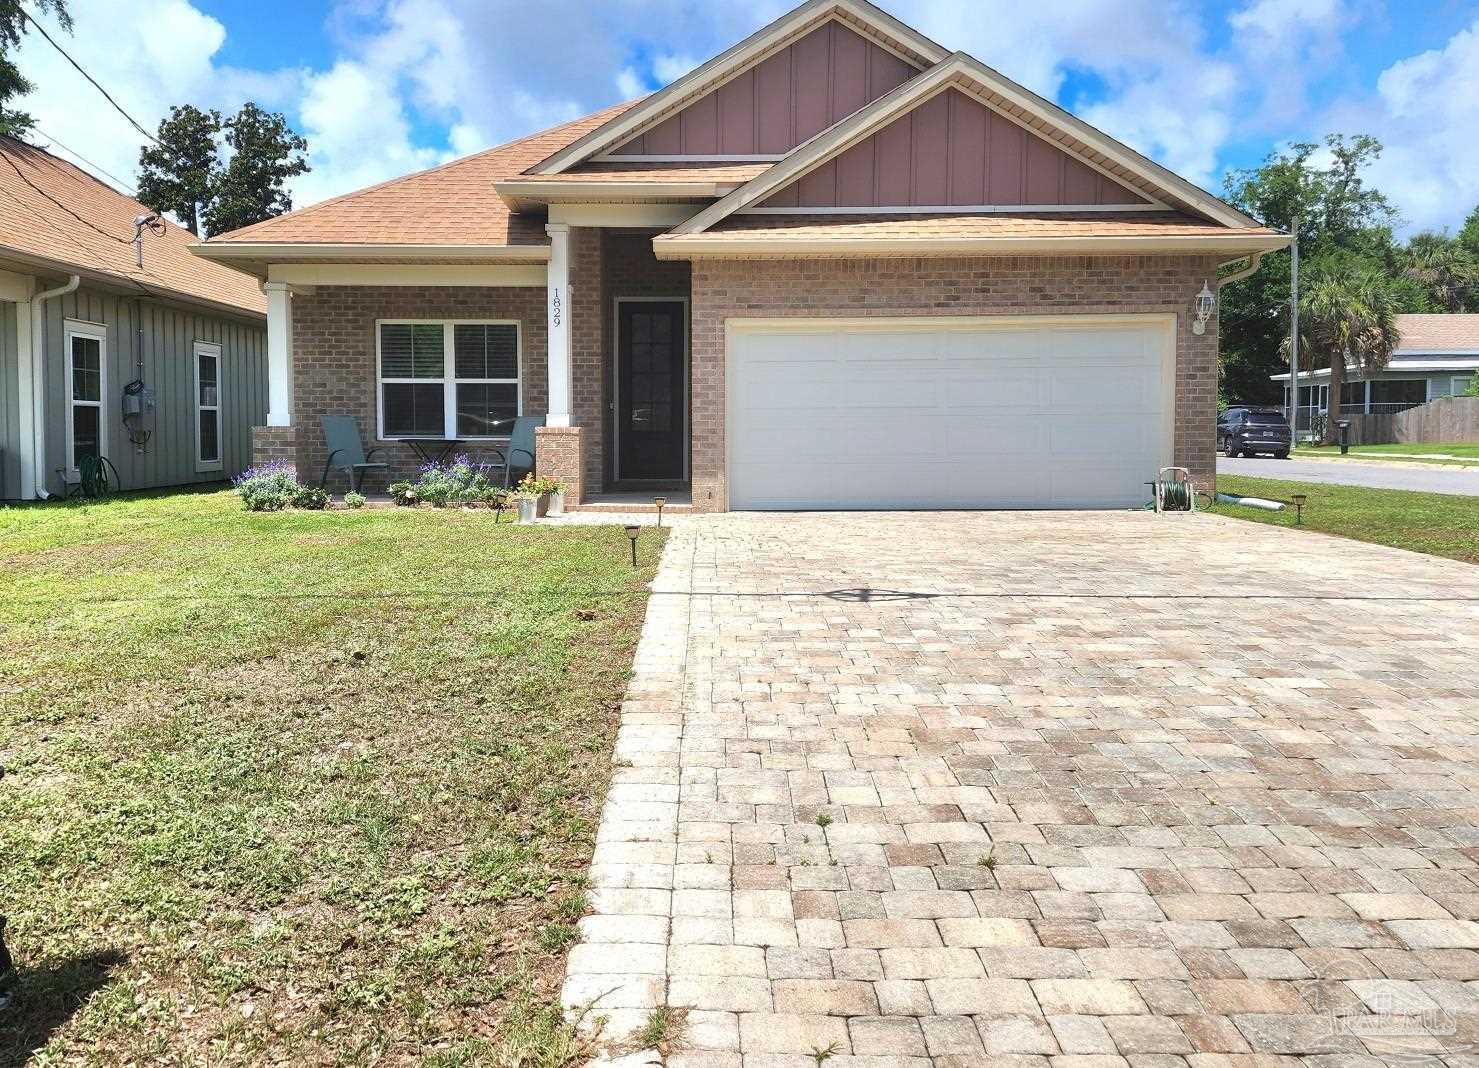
(13, 19)
(1468, 237)
(265, 153)
(183, 170)
(187, 167)
(1347, 319)
(1448, 273)
(1341, 221)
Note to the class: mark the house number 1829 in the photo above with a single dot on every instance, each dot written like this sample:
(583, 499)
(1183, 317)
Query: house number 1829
(555, 308)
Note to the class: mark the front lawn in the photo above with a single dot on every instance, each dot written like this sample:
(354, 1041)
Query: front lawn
(1436, 523)
(301, 787)
(1463, 453)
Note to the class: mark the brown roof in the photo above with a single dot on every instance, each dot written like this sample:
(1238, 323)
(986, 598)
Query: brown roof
(453, 204)
(696, 171)
(1438, 333)
(983, 225)
(56, 212)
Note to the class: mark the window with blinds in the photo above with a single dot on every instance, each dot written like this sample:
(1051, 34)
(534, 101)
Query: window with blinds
(448, 380)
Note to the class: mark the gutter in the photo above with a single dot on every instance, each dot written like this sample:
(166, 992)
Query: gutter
(309, 252)
(677, 248)
(1254, 262)
(34, 378)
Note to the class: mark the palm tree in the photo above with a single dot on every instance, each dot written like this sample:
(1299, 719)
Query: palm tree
(1444, 268)
(1346, 321)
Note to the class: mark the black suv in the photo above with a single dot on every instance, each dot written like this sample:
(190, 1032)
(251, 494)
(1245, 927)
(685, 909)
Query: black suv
(1246, 431)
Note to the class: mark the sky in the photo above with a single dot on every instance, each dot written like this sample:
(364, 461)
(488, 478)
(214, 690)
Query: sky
(384, 87)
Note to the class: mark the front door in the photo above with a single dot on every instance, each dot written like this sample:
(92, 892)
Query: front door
(651, 390)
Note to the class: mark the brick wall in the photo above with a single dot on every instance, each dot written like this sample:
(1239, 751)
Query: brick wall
(334, 370)
(587, 348)
(270, 443)
(725, 289)
(562, 457)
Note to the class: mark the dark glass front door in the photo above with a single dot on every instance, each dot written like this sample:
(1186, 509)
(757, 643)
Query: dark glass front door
(652, 403)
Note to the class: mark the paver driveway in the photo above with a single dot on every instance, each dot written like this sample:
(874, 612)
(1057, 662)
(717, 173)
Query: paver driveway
(1010, 787)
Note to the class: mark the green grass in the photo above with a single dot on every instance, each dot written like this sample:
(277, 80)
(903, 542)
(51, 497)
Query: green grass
(305, 787)
(1466, 453)
(1435, 523)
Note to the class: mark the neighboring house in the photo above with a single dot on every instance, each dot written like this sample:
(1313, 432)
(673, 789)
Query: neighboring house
(161, 368)
(837, 266)
(1437, 357)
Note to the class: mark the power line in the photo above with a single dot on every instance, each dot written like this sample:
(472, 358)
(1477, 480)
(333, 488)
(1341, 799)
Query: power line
(106, 95)
(97, 167)
(41, 192)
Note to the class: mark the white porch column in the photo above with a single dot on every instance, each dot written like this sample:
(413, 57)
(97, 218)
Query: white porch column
(279, 353)
(558, 297)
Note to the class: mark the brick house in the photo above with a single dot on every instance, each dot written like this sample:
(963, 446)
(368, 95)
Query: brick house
(836, 266)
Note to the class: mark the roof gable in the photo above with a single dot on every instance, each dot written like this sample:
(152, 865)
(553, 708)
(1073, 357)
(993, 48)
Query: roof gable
(786, 98)
(860, 17)
(1047, 122)
(953, 151)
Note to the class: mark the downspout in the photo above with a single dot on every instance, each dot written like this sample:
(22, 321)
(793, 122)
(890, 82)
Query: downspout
(1254, 261)
(38, 379)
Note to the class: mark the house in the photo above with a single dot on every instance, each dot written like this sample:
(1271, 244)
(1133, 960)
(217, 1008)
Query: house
(1437, 356)
(114, 340)
(836, 266)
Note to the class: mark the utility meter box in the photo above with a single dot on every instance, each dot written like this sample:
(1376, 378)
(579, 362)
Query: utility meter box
(137, 398)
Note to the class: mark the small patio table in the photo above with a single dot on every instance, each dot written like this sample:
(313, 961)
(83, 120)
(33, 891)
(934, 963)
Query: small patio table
(432, 450)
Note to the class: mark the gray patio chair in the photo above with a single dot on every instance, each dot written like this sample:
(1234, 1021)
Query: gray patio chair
(518, 454)
(347, 451)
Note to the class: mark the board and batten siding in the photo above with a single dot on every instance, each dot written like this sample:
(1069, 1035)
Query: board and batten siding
(10, 434)
(163, 337)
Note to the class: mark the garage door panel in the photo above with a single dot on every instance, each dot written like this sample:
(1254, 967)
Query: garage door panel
(946, 416)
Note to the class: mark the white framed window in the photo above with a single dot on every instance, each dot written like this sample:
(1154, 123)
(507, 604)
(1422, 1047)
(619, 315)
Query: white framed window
(448, 379)
(87, 385)
(207, 359)
(1458, 385)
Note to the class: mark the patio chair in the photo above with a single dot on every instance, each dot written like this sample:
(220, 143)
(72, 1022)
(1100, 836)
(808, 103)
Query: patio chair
(347, 451)
(518, 454)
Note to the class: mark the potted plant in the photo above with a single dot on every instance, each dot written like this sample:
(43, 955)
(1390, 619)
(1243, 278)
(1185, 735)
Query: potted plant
(556, 496)
(527, 498)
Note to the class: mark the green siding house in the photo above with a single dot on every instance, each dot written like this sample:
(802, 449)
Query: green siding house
(115, 341)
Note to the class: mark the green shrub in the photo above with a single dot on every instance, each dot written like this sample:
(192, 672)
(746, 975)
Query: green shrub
(268, 487)
(354, 500)
(311, 499)
(403, 494)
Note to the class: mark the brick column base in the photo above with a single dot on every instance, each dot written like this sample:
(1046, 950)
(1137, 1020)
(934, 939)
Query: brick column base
(560, 454)
(275, 443)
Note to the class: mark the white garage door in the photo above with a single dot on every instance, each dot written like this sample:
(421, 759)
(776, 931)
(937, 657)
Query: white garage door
(948, 413)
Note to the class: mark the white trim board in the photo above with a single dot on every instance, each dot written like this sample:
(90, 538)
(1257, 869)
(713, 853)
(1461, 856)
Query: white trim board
(958, 209)
(408, 274)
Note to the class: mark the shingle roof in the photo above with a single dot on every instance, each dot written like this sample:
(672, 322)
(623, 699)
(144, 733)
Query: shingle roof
(54, 211)
(1438, 333)
(453, 204)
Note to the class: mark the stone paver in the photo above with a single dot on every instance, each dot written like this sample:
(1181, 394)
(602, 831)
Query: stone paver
(1053, 789)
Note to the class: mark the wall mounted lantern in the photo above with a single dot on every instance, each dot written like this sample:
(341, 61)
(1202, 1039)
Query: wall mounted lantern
(1205, 304)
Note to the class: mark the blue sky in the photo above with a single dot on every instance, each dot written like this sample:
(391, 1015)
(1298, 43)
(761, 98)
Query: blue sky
(382, 87)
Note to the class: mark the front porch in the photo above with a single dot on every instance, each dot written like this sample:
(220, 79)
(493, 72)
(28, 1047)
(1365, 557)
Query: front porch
(427, 359)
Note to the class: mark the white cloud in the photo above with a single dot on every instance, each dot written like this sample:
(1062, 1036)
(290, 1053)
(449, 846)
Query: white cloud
(149, 54)
(414, 82)
(1425, 111)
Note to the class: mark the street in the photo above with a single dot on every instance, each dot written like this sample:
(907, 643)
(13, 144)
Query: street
(1377, 474)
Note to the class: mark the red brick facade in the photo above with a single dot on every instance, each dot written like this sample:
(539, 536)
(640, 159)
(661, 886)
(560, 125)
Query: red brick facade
(562, 457)
(334, 337)
(334, 371)
(726, 289)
